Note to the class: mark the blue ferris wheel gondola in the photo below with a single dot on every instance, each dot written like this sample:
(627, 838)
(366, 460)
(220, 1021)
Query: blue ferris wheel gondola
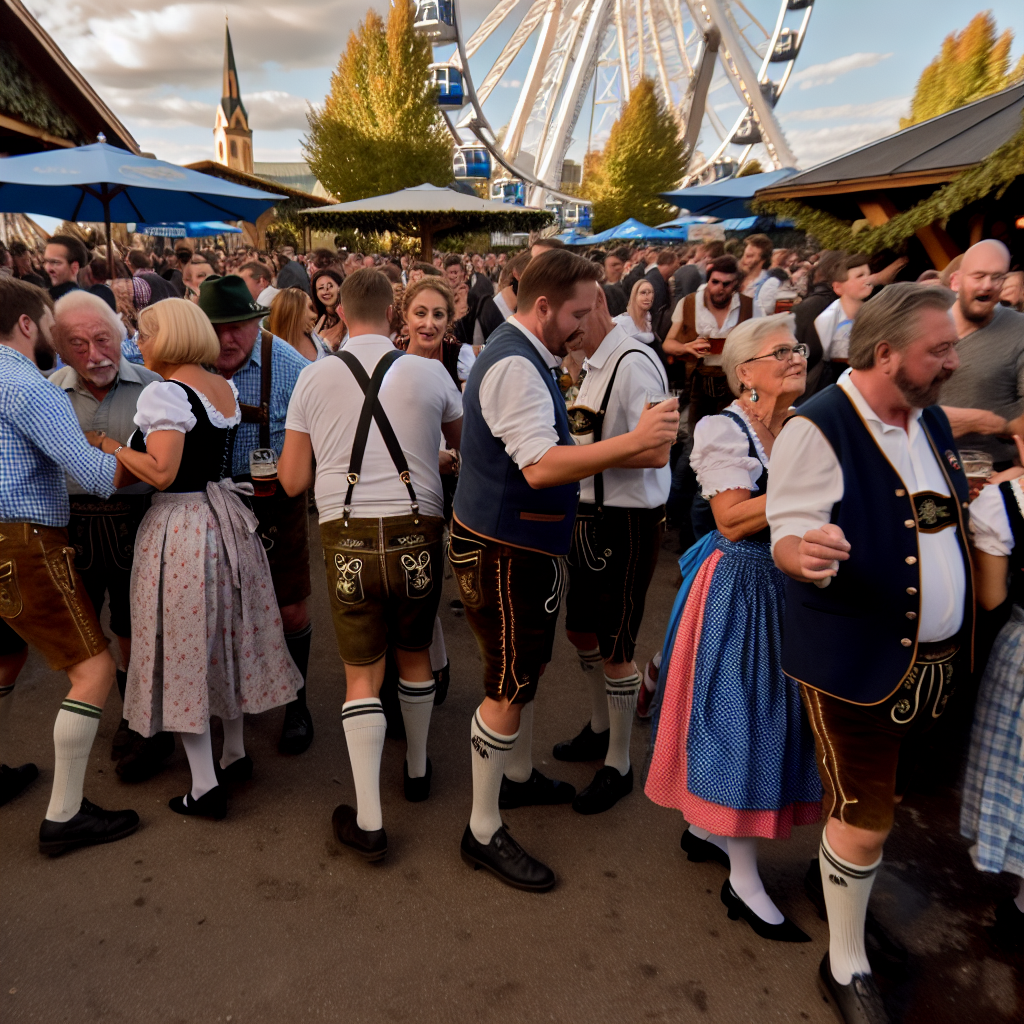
(435, 19)
(508, 190)
(471, 162)
(448, 79)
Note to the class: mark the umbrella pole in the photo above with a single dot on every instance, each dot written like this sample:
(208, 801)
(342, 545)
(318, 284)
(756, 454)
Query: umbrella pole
(106, 225)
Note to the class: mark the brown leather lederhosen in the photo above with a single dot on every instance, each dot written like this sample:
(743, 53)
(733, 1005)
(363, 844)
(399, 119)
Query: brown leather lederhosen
(283, 521)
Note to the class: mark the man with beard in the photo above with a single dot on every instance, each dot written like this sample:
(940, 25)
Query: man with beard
(508, 552)
(104, 388)
(42, 598)
(988, 388)
(867, 508)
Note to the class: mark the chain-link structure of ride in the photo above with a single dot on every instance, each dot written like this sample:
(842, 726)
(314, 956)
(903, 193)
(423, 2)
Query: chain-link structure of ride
(707, 59)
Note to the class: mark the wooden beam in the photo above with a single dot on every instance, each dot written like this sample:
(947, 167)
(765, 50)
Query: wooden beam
(977, 226)
(878, 208)
(939, 246)
(13, 124)
(840, 187)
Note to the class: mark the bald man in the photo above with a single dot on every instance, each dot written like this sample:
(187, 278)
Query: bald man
(985, 396)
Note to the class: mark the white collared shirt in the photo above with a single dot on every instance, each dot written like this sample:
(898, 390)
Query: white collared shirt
(637, 376)
(833, 327)
(705, 323)
(517, 405)
(806, 480)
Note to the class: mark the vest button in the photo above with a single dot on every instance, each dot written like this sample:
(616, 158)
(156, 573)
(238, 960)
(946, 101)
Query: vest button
(907, 642)
(908, 523)
(900, 493)
(911, 591)
(964, 503)
(911, 615)
(910, 560)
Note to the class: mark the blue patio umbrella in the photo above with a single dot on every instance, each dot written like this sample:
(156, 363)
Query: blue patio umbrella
(630, 229)
(104, 183)
(187, 229)
(575, 237)
(728, 198)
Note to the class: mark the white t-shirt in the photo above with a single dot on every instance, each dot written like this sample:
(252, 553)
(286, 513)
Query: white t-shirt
(418, 396)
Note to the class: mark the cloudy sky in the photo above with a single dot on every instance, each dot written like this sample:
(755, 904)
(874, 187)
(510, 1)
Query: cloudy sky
(158, 65)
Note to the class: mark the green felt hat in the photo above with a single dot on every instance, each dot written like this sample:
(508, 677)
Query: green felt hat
(227, 300)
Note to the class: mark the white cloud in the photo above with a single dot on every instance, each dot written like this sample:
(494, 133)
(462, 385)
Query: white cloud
(814, 145)
(890, 109)
(510, 84)
(825, 74)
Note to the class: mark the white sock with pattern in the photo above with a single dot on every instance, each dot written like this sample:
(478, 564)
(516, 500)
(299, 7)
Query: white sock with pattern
(489, 750)
(73, 733)
(365, 725)
(847, 891)
(417, 702)
(519, 763)
(620, 698)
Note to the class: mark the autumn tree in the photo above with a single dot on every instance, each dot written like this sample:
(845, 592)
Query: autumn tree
(972, 64)
(380, 128)
(643, 157)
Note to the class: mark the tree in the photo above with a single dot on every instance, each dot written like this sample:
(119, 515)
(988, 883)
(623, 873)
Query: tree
(972, 64)
(642, 158)
(380, 129)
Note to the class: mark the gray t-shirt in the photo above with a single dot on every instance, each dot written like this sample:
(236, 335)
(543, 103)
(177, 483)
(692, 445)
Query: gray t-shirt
(990, 376)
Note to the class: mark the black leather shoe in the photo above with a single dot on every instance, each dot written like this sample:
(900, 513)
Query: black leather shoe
(236, 773)
(122, 741)
(700, 850)
(860, 1002)
(212, 804)
(587, 746)
(507, 860)
(537, 791)
(14, 780)
(417, 790)
(1008, 930)
(91, 825)
(146, 758)
(607, 789)
(785, 932)
(442, 679)
(297, 731)
(370, 845)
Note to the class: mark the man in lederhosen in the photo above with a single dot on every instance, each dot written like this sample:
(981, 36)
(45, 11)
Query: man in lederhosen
(514, 513)
(265, 369)
(615, 546)
(867, 505)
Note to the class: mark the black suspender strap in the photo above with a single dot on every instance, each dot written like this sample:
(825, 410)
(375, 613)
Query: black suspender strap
(373, 410)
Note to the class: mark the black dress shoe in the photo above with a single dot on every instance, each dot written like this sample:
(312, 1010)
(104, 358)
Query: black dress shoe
(89, 826)
(442, 679)
(371, 845)
(785, 932)
(146, 758)
(507, 860)
(537, 791)
(297, 731)
(122, 741)
(587, 746)
(860, 1002)
(14, 780)
(700, 850)
(1008, 930)
(417, 790)
(607, 789)
(236, 773)
(212, 804)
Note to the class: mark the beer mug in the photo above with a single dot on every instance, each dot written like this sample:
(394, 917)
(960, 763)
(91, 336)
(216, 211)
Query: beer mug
(657, 397)
(263, 469)
(977, 466)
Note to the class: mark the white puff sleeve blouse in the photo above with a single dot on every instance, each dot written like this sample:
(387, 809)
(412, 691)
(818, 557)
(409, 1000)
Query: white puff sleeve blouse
(990, 525)
(721, 458)
(163, 405)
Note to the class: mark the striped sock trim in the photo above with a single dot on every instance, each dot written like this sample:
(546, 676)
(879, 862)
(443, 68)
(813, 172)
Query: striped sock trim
(416, 693)
(590, 660)
(79, 707)
(622, 693)
(491, 739)
(853, 870)
(357, 708)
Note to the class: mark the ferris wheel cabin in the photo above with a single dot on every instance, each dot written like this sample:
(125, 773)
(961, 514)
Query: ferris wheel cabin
(448, 80)
(435, 19)
(508, 190)
(471, 162)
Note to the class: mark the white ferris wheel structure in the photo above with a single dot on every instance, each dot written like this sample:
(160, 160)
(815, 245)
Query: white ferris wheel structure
(720, 66)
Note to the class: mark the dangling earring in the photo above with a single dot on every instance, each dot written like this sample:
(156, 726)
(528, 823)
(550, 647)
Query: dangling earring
(753, 394)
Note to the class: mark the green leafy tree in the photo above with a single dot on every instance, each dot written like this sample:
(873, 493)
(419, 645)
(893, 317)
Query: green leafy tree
(380, 128)
(972, 64)
(643, 157)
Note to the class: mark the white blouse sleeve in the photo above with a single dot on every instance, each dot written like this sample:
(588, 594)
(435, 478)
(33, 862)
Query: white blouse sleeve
(163, 405)
(721, 459)
(990, 525)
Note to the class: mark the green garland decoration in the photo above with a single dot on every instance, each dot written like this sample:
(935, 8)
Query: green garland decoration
(994, 174)
(30, 103)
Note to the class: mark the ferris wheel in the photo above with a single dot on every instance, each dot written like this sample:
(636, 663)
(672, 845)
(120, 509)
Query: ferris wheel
(720, 66)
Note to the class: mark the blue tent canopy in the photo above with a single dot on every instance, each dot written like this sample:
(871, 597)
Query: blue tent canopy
(187, 229)
(728, 198)
(630, 229)
(574, 237)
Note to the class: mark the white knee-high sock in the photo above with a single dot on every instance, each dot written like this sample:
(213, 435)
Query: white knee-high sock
(489, 750)
(591, 664)
(620, 696)
(438, 652)
(702, 833)
(746, 882)
(519, 764)
(417, 702)
(73, 733)
(365, 725)
(199, 751)
(234, 745)
(847, 891)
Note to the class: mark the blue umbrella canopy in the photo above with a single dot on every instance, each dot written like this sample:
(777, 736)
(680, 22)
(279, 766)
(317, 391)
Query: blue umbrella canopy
(187, 229)
(631, 228)
(104, 183)
(726, 198)
(575, 237)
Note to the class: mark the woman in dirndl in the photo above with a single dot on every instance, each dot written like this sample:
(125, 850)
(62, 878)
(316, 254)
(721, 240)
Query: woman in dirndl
(733, 750)
(992, 811)
(206, 631)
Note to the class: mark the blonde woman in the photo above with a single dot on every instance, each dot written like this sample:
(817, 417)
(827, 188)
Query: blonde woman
(207, 635)
(636, 321)
(292, 318)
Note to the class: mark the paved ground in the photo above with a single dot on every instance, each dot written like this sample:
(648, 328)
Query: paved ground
(262, 918)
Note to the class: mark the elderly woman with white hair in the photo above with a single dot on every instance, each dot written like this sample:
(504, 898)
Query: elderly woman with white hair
(733, 751)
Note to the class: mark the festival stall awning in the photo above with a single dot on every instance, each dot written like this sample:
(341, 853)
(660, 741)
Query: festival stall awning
(632, 229)
(188, 229)
(727, 198)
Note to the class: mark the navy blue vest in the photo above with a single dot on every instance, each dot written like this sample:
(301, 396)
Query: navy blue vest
(856, 639)
(493, 498)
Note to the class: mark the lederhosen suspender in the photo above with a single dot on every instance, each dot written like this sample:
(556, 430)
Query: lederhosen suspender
(372, 409)
(261, 413)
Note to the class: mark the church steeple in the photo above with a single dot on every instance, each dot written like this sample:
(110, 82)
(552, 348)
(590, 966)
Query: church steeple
(231, 132)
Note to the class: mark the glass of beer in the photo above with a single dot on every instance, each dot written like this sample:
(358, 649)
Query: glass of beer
(263, 469)
(977, 468)
(657, 397)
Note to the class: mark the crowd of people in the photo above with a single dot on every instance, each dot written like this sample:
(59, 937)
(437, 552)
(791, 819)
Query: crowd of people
(839, 451)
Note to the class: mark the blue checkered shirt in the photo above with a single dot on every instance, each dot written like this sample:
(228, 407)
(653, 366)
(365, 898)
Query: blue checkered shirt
(40, 441)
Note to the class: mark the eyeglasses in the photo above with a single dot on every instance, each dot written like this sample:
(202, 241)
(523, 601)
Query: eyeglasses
(782, 353)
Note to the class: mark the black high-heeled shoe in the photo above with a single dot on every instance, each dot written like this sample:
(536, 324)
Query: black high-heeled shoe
(212, 804)
(785, 932)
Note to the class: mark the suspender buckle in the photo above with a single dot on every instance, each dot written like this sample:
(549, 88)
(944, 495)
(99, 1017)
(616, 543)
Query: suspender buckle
(405, 477)
(352, 479)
